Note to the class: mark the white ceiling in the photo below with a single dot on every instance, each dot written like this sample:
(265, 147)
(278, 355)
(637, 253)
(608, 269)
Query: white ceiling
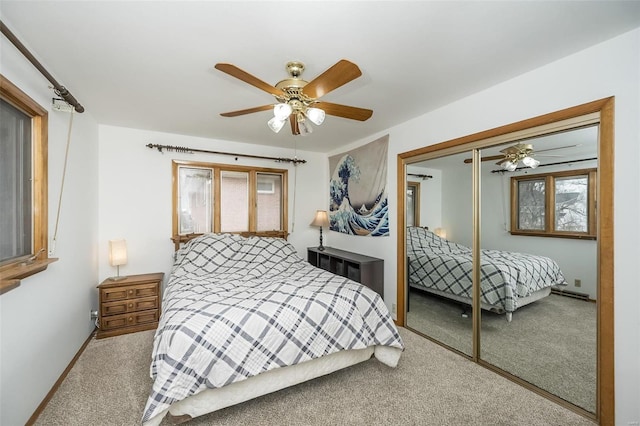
(149, 64)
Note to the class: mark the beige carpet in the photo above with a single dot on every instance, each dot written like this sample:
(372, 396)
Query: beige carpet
(431, 386)
(550, 343)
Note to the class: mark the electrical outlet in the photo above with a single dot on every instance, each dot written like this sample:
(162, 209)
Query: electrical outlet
(393, 308)
(94, 315)
(577, 282)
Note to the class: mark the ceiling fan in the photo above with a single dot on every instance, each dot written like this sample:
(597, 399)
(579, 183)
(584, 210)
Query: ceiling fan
(297, 99)
(520, 152)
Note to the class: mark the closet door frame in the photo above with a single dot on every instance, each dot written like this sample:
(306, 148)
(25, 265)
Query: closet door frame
(599, 112)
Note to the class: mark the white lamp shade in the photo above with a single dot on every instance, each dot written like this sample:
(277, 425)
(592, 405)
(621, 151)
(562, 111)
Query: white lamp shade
(321, 219)
(316, 115)
(282, 111)
(275, 124)
(117, 252)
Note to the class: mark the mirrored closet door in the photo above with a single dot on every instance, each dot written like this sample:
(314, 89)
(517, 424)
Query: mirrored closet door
(537, 230)
(439, 288)
(517, 222)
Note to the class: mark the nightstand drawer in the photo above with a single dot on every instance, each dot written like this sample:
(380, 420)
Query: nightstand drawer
(130, 305)
(129, 320)
(129, 292)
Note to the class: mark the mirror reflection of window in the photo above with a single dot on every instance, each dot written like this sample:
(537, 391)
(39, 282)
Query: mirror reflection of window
(413, 203)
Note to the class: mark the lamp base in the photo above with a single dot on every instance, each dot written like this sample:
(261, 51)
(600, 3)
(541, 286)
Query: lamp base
(118, 278)
(320, 248)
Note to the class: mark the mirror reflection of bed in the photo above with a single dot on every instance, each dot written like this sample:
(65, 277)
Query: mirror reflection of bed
(538, 320)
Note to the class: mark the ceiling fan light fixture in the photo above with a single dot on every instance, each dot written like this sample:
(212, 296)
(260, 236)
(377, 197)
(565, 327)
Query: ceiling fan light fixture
(530, 162)
(282, 111)
(510, 166)
(316, 115)
(276, 124)
(304, 127)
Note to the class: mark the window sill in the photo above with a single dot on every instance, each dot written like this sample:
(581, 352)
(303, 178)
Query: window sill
(10, 277)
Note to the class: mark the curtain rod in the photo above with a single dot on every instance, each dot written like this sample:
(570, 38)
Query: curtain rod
(186, 150)
(58, 88)
(420, 176)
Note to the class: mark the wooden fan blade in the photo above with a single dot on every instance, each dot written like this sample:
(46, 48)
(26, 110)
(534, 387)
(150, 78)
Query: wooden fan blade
(247, 111)
(295, 130)
(489, 158)
(559, 147)
(353, 113)
(236, 72)
(339, 74)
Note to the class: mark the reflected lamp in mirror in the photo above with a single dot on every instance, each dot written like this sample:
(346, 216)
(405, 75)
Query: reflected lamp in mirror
(440, 232)
(321, 220)
(117, 256)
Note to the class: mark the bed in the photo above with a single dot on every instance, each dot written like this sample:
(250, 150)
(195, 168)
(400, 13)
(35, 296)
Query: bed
(246, 316)
(508, 280)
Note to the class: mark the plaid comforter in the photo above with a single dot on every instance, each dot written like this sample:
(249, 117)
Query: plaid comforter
(235, 307)
(504, 276)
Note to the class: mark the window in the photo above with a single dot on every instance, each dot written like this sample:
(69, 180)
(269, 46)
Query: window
(413, 203)
(224, 198)
(560, 204)
(23, 186)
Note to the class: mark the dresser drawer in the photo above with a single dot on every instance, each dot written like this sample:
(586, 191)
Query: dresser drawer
(128, 320)
(129, 305)
(129, 292)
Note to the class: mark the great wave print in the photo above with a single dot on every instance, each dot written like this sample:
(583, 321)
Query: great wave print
(358, 202)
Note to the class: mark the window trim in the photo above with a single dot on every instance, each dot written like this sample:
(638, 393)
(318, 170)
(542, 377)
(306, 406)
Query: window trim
(12, 271)
(550, 192)
(253, 187)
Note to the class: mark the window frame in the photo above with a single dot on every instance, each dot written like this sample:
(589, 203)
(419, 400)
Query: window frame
(13, 270)
(217, 169)
(416, 201)
(549, 196)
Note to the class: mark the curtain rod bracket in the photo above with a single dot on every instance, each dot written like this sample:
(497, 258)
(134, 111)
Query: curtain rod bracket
(59, 89)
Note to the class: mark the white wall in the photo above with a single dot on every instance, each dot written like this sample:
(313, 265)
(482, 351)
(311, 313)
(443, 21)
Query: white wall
(135, 192)
(608, 69)
(430, 196)
(46, 319)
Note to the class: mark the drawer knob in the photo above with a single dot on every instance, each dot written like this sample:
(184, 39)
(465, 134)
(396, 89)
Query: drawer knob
(130, 291)
(131, 305)
(130, 319)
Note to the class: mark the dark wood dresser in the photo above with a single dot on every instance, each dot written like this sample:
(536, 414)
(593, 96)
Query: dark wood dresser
(129, 305)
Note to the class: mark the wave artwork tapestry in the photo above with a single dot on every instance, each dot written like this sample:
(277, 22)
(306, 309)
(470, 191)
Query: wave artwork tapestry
(358, 190)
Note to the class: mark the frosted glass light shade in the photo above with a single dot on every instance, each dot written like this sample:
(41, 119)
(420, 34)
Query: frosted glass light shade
(510, 166)
(316, 115)
(530, 162)
(282, 111)
(304, 127)
(275, 124)
(117, 252)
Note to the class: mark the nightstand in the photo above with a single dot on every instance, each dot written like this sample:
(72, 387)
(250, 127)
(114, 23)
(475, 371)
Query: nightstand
(366, 270)
(129, 305)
